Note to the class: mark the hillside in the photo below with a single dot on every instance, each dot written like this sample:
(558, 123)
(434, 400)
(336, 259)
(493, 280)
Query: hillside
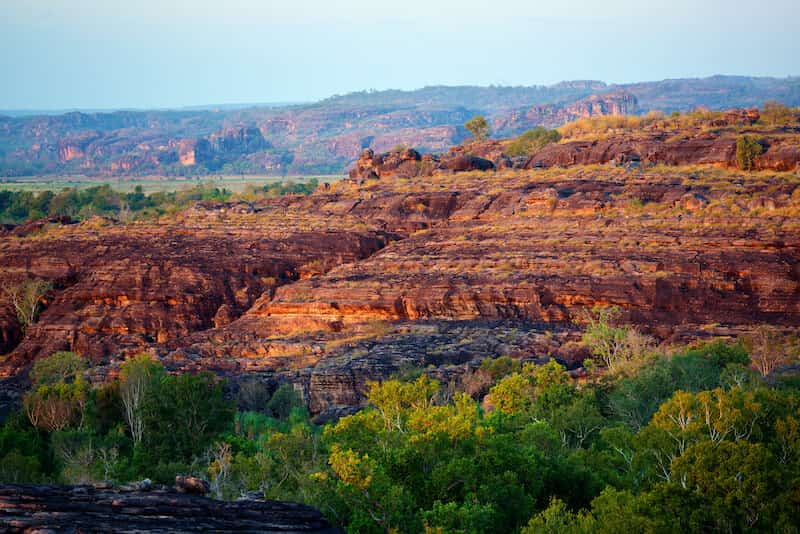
(556, 332)
(417, 254)
(328, 136)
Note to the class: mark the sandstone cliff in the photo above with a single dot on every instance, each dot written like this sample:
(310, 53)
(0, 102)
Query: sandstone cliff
(345, 285)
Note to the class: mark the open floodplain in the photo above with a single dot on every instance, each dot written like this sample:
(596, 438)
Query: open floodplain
(153, 184)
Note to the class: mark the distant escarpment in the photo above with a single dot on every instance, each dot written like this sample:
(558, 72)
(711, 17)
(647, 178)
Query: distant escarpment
(328, 136)
(554, 115)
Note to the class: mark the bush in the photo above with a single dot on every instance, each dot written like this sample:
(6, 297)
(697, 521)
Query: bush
(616, 346)
(57, 406)
(58, 367)
(17, 468)
(532, 141)
(747, 150)
(283, 401)
(60, 394)
(500, 367)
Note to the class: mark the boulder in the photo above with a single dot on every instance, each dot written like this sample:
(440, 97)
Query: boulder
(193, 485)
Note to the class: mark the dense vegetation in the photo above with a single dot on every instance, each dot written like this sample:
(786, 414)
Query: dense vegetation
(103, 200)
(694, 440)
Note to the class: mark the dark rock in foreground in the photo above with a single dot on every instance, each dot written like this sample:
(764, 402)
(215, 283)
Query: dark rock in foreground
(50, 508)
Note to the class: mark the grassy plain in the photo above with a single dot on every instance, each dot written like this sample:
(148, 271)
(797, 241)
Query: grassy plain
(152, 184)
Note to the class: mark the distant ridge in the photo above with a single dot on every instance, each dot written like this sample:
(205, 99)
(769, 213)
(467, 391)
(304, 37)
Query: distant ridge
(327, 136)
(203, 107)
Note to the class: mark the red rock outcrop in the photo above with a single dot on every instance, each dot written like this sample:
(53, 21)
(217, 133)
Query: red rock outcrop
(342, 286)
(29, 508)
(123, 288)
(684, 256)
(667, 147)
(502, 255)
(781, 155)
(408, 163)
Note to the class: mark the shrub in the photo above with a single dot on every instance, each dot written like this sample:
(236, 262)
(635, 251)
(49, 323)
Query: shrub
(770, 349)
(615, 345)
(532, 141)
(58, 367)
(283, 401)
(747, 149)
(17, 468)
(59, 396)
(57, 406)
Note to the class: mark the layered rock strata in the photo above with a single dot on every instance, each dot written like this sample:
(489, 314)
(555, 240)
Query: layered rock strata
(76, 509)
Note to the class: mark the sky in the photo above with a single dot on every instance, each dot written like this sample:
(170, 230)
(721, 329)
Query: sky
(105, 54)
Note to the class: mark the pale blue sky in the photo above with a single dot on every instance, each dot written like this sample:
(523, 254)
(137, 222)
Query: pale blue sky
(168, 53)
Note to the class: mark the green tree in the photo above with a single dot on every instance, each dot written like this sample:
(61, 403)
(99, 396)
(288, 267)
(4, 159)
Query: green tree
(183, 416)
(283, 401)
(58, 367)
(558, 519)
(478, 127)
(739, 482)
(616, 346)
(26, 298)
(513, 394)
(747, 150)
(139, 379)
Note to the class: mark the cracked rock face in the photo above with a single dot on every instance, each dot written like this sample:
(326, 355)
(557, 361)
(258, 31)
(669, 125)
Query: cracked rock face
(120, 289)
(30, 508)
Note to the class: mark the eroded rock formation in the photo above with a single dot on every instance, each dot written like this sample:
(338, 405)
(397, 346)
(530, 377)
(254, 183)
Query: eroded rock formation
(330, 290)
(780, 154)
(122, 288)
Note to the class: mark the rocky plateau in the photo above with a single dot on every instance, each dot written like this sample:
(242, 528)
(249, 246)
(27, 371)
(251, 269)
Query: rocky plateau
(423, 262)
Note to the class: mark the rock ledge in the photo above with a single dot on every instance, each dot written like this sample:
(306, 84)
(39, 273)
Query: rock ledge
(51, 508)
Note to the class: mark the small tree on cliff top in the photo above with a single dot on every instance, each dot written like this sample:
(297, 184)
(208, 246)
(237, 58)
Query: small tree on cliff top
(478, 127)
(26, 298)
